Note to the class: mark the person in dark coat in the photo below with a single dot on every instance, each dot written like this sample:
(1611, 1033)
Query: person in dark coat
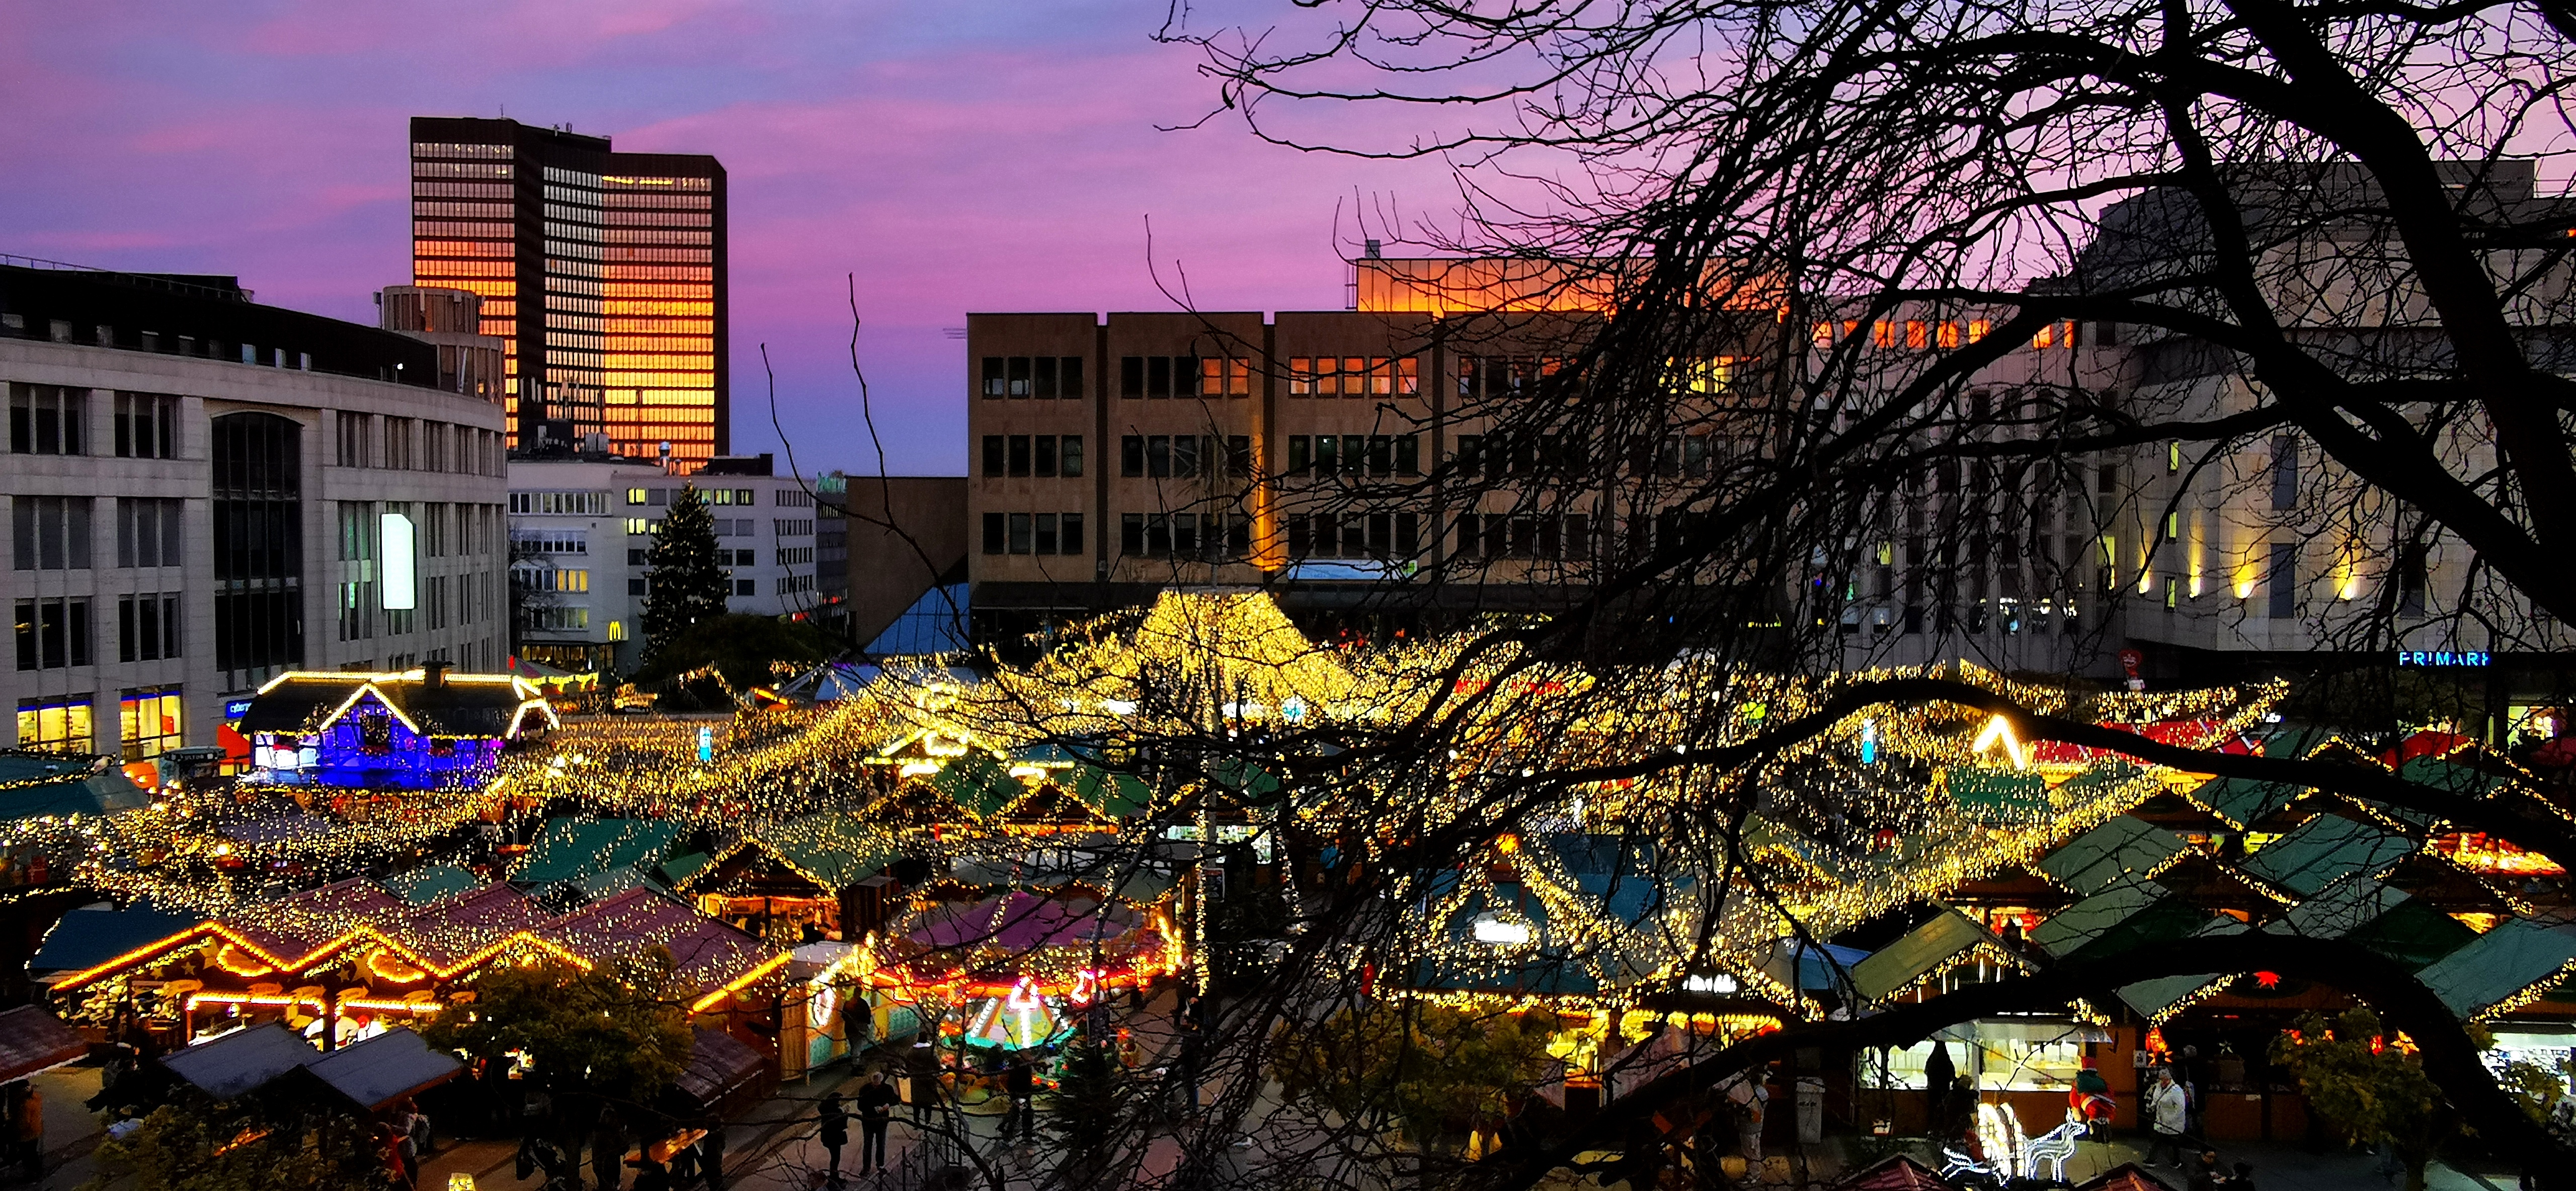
(876, 1101)
(711, 1156)
(1938, 1072)
(1022, 1082)
(835, 1122)
(608, 1153)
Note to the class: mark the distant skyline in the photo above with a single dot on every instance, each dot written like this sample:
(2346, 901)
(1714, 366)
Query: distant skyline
(951, 157)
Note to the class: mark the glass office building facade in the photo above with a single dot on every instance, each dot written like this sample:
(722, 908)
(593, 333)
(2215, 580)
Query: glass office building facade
(603, 272)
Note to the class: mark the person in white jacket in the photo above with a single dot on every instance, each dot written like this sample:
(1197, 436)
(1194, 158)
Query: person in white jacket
(2168, 1110)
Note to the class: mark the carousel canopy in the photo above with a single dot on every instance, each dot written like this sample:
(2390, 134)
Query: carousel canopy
(935, 623)
(1022, 921)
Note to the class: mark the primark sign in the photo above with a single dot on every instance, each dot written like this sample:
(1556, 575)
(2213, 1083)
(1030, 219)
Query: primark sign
(2444, 657)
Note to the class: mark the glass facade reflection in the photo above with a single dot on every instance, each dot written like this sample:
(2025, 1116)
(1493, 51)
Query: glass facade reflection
(604, 272)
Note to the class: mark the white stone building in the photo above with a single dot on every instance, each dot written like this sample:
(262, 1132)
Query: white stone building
(205, 492)
(581, 527)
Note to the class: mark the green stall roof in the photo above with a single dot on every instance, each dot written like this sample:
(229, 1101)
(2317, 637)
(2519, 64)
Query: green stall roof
(2380, 917)
(2242, 802)
(2324, 850)
(2151, 997)
(834, 848)
(1115, 795)
(2500, 965)
(422, 886)
(2125, 849)
(2117, 919)
(41, 784)
(977, 785)
(571, 849)
(1923, 949)
(2451, 777)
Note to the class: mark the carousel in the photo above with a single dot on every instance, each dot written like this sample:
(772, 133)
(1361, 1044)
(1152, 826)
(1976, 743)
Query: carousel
(1005, 976)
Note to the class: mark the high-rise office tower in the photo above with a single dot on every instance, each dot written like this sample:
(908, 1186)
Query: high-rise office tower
(603, 272)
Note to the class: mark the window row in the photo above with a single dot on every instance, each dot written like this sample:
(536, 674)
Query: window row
(550, 579)
(54, 420)
(559, 504)
(785, 498)
(410, 444)
(1510, 535)
(1326, 456)
(1353, 376)
(1033, 455)
(471, 599)
(1046, 378)
(1032, 533)
(1918, 334)
(1502, 377)
(1354, 535)
(1208, 537)
(53, 633)
(1183, 376)
(1162, 456)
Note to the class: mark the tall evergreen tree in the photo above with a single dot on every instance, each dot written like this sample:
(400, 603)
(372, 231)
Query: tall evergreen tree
(688, 585)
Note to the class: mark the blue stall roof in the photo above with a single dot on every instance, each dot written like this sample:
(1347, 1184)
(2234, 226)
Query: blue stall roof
(935, 623)
(86, 938)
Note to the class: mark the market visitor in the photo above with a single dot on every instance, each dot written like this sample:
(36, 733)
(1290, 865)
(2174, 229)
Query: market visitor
(876, 1101)
(835, 1132)
(2169, 1111)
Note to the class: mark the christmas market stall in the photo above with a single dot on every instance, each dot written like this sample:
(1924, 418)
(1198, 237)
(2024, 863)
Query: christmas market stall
(355, 956)
(814, 878)
(410, 730)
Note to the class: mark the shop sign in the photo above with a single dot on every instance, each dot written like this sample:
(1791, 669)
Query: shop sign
(2444, 657)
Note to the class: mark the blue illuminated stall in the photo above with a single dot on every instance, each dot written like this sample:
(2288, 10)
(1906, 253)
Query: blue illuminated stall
(412, 730)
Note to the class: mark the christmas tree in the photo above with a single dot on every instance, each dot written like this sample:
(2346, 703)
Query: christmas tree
(688, 585)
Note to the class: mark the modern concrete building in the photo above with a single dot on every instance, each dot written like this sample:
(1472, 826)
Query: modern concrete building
(1319, 455)
(205, 492)
(602, 272)
(895, 537)
(1312, 453)
(582, 525)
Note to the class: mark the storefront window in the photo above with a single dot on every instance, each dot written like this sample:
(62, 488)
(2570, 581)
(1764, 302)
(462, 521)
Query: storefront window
(148, 722)
(2001, 1056)
(59, 723)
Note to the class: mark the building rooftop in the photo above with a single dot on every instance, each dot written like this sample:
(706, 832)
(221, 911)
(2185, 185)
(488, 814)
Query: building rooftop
(201, 316)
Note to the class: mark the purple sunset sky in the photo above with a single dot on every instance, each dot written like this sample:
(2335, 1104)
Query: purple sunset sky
(952, 156)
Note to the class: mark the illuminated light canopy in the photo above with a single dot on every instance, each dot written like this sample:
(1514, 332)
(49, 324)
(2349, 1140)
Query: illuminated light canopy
(1999, 731)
